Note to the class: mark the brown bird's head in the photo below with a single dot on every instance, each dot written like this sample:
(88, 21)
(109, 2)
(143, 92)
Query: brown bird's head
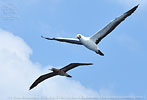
(54, 69)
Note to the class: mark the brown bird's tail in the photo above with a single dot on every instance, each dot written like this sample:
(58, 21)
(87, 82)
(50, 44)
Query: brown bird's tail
(68, 76)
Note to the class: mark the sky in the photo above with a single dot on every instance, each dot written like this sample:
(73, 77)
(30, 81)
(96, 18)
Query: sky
(24, 55)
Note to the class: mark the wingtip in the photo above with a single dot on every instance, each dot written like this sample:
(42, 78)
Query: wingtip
(136, 6)
(86, 63)
(42, 37)
(90, 63)
(132, 10)
(31, 87)
(47, 38)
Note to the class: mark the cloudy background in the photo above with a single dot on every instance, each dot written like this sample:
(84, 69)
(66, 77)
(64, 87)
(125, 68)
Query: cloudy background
(24, 56)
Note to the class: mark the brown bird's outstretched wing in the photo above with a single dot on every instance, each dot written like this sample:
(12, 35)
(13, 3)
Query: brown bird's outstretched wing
(73, 65)
(42, 78)
(67, 40)
(111, 26)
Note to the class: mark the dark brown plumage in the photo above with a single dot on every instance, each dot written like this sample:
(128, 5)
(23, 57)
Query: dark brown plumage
(42, 78)
(55, 72)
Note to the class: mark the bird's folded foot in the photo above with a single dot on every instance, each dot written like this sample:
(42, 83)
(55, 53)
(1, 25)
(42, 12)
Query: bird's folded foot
(100, 53)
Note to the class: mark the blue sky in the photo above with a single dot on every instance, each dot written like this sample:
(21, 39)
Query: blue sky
(122, 70)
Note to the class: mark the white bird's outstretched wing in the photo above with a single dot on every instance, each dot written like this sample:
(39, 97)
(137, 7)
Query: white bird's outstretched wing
(67, 40)
(111, 26)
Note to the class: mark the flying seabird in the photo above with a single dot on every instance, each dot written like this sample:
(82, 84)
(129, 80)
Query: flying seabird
(56, 71)
(91, 42)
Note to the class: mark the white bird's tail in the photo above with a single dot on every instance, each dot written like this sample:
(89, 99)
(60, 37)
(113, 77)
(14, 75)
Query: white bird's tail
(100, 53)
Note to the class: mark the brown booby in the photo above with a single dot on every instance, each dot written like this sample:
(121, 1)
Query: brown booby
(55, 71)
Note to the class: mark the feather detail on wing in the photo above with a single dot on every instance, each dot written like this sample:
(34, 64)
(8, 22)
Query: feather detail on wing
(67, 40)
(42, 78)
(73, 65)
(111, 26)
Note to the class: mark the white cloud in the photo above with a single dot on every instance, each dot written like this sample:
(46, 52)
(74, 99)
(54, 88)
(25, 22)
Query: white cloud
(17, 72)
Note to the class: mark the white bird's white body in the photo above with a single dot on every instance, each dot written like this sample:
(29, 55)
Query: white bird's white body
(87, 42)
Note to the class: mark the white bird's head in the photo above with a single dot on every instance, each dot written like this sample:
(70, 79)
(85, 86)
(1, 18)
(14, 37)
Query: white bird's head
(79, 36)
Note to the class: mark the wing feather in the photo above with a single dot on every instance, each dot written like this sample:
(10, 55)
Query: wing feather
(111, 26)
(67, 40)
(73, 65)
(42, 78)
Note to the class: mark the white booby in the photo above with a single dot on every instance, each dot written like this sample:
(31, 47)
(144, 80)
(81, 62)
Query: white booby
(61, 71)
(91, 42)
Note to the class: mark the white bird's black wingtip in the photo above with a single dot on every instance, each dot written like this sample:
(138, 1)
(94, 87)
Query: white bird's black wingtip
(132, 10)
(47, 38)
(136, 6)
(42, 37)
